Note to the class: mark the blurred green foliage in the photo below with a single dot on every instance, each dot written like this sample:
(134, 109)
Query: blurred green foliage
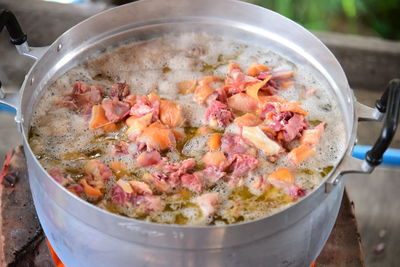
(366, 17)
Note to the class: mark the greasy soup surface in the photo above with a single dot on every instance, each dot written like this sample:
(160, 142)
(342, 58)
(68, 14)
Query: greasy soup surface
(188, 129)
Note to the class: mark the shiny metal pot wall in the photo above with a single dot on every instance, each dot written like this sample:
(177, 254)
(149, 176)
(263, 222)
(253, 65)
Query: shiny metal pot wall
(84, 235)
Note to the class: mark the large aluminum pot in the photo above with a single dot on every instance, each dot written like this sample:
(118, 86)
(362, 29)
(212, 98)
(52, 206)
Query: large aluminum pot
(84, 235)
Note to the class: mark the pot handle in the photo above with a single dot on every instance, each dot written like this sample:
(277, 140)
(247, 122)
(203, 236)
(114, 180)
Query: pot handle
(8, 20)
(388, 104)
(17, 36)
(19, 39)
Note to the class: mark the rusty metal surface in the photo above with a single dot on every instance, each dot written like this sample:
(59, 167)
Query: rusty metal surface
(21, 242)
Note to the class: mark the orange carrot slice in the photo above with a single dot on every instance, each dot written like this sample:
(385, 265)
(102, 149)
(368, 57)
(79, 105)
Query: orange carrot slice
(117, 165)
(202, 93)
(153, 97)
(233, 65)
(204, 90)
(97, 169)
(279, 136)
(214, 158)
(131, 120)
(157, 137)
(214, 141)
(179, 135)
(186, 87)
(242, 102)
(282, 74)
(256, 68)
(293, 107)
(158, 124)
(170, 113)
(300, 154)
(267, 130)
(271, 98)
(252, 90)
(125, 185)
(118, 168)
(203, 130)
(111, 127)
(312, 136)
(286, 84)
(136, 125)
(89, 190)
(131, 99)
(248, 119)
(99, 119)
(140, 187)
(282, 174)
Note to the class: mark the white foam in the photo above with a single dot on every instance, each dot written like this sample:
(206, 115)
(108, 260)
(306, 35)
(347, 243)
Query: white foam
(156, 66)
(196, 147)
